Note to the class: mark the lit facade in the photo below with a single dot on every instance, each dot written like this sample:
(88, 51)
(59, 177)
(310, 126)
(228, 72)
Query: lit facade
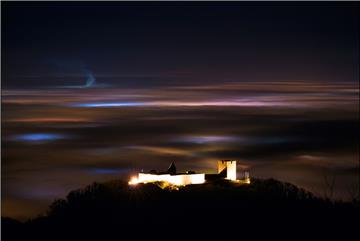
(179, 179)
(229, 167)
(226, 170)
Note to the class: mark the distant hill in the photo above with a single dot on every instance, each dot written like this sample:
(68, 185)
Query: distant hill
(223, 210)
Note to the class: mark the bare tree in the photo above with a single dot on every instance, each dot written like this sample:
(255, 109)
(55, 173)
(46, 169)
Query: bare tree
(329, 178)
(354, 192)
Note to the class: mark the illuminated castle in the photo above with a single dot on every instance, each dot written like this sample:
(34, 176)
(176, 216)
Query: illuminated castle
(226, 170)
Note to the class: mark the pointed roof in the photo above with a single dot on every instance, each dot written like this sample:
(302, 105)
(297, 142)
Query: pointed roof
(172, 169)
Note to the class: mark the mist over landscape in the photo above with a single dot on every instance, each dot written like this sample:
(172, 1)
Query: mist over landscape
(58, 140)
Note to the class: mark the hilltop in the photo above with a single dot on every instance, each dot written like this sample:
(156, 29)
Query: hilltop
(224, 210)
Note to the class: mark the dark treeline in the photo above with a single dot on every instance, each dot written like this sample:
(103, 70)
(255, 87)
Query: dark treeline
(265, 209)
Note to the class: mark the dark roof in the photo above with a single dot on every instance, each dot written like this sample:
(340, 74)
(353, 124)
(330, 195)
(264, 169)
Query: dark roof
(172, 169)
(227, 160)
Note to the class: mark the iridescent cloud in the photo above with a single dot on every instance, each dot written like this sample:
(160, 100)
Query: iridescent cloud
(109, 104)
(301, 94)
(161, 150)
(48, 120)
(205, 139)
(104, 171)
(282, 130)
(38, 137)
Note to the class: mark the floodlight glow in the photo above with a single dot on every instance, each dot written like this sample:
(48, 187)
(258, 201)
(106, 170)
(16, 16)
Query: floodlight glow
(133, 181)
(179, 180)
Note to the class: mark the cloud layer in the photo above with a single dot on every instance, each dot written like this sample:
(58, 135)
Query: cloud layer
(55, 140)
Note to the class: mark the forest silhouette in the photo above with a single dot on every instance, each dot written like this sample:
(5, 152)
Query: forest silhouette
(265, 209)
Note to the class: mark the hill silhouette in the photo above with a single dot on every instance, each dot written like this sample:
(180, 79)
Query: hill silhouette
(265, 209)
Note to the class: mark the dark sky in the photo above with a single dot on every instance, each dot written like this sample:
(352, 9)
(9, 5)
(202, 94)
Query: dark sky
(146, 44)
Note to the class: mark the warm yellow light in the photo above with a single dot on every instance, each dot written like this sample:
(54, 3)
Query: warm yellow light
(133, 181)
(243, 181)
(179, 180)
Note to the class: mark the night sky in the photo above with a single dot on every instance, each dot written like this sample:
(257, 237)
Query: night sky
(97, 91)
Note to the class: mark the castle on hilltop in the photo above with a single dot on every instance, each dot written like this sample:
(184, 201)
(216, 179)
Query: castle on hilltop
(226, 169)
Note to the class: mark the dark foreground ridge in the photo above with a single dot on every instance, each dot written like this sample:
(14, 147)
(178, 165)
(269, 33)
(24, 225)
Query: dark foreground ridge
(265, 209)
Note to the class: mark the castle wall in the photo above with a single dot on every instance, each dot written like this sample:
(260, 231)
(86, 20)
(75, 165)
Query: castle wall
(173, 179)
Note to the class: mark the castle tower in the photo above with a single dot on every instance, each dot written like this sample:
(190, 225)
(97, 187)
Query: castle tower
(227, 168)
(247, 177)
